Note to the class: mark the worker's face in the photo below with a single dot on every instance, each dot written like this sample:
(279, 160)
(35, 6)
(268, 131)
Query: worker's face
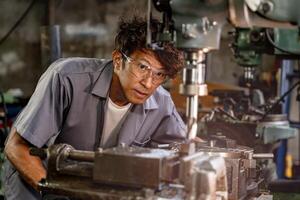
(139, 73)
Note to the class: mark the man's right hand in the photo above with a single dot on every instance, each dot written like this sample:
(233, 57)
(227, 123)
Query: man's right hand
(30, 167)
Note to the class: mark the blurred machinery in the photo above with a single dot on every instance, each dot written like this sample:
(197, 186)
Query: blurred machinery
(247, 120)
(269, 27)
(262, 27)
(254, 35)
(196, 35)
(187, 171)
(237, 118)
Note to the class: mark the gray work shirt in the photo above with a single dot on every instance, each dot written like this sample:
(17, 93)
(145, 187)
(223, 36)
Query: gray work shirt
(68, 106)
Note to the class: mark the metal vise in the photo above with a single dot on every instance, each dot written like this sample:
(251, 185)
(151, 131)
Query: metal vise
(133, 173)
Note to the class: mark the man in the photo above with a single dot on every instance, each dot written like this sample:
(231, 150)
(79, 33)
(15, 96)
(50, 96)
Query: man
(92, 103)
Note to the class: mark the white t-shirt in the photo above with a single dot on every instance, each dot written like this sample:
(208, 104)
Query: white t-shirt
(113, 119)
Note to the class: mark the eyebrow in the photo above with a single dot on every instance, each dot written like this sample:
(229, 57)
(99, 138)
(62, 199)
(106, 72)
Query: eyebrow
(143, 59)
(160, 69)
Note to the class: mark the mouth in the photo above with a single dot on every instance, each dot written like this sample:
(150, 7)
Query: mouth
(140, 94)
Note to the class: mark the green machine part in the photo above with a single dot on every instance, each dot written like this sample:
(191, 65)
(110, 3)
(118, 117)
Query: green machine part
(287, 41)
(248, 58)
(249, 45)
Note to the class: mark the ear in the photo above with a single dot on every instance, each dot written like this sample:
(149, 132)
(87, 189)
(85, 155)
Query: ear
(117, 60)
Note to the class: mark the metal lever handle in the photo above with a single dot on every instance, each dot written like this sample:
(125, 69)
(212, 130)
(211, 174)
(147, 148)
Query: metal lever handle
(40, 152)
(263, 156)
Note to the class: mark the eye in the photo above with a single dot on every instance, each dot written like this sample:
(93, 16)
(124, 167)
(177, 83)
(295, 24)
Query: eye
(142, 66)
(160, 75)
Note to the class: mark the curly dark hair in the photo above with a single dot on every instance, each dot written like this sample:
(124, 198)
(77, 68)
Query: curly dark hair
(132, 35)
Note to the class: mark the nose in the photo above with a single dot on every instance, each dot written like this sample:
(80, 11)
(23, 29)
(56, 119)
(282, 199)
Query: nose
(147, 81)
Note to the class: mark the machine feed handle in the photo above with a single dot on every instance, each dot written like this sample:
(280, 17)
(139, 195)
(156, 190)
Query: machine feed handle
(40, 152)
(263, 156)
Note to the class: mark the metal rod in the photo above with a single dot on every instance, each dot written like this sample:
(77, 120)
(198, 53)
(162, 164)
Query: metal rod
(263, 156)
(149, 16)
(192, 113)
(50, 44)
(87, 156)
(78, 169)
(201, 67)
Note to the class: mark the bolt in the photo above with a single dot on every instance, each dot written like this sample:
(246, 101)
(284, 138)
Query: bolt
(266, 7)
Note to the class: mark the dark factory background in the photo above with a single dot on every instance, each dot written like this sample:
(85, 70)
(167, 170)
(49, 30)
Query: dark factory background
(34, 33)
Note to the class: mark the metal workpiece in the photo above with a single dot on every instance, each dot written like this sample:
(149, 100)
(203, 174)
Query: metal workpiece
(222, 152)
(194, 171)
(187, 149)
(121, 172)
(134, 173)
(204, 176)
(212, 179)
(242, 174)
(135, 167)
(206, 179)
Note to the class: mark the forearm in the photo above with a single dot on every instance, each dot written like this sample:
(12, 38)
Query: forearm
(30, 167)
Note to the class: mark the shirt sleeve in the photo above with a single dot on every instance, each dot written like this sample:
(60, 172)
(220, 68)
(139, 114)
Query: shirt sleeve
(171, 129)
(42, 118)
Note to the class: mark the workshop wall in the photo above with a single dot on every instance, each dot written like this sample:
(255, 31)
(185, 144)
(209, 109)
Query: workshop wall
(87, 29)
(19, 53)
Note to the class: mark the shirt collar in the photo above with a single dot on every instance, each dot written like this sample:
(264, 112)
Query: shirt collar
(150, 103)
(102, 85)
